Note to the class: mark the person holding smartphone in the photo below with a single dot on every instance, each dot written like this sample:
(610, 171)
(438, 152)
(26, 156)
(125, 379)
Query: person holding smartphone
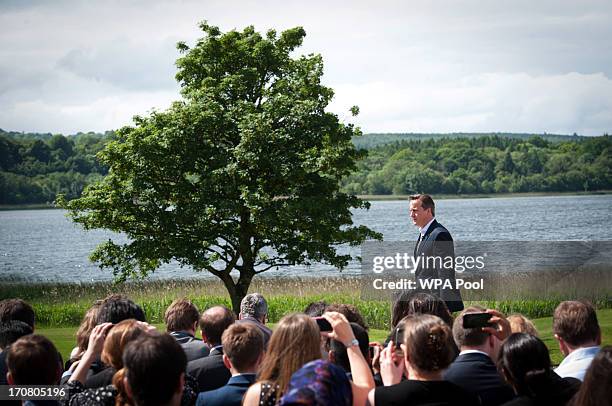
(479, 334)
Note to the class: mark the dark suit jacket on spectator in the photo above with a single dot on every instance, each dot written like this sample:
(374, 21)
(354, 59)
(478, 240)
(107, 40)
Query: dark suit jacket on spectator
(193, 347)
(230, 394)
(476, 373)
(210, 371)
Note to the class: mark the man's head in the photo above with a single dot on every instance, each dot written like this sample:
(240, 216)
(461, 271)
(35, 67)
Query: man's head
(254, 305)
(350, 312)
(422, 209)
(337, 350)
(243, 346)
(474, 338)
(116, 308)
(182, 315)
(17, 309)
(11, 331)
(33, 360)
(575, 325)
(316, 309)
(154, 372)
(213, 323)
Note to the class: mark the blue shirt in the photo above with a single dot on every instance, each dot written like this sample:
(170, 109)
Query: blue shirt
(577, 362)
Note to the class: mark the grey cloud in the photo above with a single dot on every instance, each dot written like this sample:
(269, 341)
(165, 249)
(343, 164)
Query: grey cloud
(125, 64)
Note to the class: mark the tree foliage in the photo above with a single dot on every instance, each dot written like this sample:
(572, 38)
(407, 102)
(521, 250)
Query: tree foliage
(488, 164)
(243, 174)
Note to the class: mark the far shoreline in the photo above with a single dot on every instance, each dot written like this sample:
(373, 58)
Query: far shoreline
(374, 198)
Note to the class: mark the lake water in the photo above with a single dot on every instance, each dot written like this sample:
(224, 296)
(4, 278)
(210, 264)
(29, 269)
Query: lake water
(44, 245)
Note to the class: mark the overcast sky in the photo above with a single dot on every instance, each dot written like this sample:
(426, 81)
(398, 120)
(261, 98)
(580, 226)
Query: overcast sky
(411, 66)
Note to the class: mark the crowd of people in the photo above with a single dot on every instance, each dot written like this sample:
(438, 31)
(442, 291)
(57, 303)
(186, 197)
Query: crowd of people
(322, 356)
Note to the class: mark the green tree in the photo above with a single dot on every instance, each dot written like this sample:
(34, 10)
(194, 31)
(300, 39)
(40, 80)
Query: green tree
(243, 174)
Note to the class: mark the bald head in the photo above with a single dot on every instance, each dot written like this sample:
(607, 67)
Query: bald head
(213, 323)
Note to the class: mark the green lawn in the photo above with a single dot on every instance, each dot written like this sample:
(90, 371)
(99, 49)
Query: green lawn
(64, 337)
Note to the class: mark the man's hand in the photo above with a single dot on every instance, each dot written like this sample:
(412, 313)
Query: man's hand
(502, 329)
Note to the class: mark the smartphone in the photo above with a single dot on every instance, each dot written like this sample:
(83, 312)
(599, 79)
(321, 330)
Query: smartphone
(398, 337)
(324, 325)
(371, 349)
(476, 320)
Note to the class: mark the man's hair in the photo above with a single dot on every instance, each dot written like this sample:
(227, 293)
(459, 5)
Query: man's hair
(254, 305)
(11, 331)
(33, 360)
(316, 309)
(426, 202)
(243, 343)
(181, 315)
(214, 321)
(339, 349)
(116, 308)
(350, 312)
(153, 365)
(576, 322)
(17, 309)
(468, 337)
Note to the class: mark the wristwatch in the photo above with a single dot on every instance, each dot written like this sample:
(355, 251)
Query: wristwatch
(352, 343)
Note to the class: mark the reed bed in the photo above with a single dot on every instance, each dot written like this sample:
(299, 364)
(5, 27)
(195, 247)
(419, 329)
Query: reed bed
(63, 305)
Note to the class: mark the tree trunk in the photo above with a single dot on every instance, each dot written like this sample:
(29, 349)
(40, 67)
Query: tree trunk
(238, 290)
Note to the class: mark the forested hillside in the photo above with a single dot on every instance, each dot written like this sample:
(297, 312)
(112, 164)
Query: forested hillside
(34, 168)
(487, 164)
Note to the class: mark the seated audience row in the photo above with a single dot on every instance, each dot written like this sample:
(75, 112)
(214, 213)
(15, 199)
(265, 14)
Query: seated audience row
(429, 357)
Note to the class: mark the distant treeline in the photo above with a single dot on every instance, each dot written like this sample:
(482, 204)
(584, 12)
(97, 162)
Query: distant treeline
(35, 167)
(486, 164)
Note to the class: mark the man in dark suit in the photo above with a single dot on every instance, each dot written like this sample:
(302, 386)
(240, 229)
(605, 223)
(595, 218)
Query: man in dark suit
(181, 319)
(210, 372)
(434, 245)
(243, 346)
(474, 369)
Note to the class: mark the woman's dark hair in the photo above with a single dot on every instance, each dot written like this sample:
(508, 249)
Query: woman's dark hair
(153, 365)
(407, 303)
(525, 362)
(596, 389)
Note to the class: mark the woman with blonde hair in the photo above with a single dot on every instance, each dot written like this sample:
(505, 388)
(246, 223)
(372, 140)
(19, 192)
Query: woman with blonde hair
(426, 351)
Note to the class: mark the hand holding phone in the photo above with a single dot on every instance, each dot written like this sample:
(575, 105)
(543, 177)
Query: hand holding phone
(476, 320)
(324, 325)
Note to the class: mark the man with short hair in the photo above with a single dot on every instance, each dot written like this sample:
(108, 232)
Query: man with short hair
(242, 353)
(577, 330)
(116, 308)
(474, 369)
(33, 360)
(17, 318)
(254, 309)
(434, 242)
(210, 371)
(17, 309)
(181, 320)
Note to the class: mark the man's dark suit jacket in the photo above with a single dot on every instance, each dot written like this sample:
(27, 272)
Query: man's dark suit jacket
(230, 394)
(477, 374)
(438, 242)
(194, 348)
(210, 371)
